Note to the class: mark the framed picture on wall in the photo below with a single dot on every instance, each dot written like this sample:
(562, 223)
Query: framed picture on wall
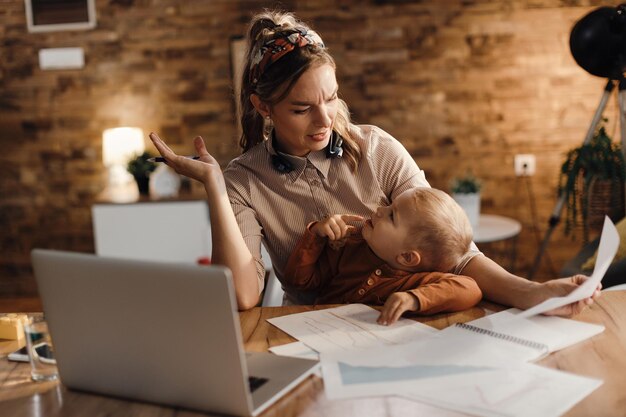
(55, 15)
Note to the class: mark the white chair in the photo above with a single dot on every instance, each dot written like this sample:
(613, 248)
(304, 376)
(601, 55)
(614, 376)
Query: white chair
(273, 295)
(164, 231)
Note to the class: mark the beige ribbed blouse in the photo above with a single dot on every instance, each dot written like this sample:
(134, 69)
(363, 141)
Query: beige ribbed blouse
(274, 207)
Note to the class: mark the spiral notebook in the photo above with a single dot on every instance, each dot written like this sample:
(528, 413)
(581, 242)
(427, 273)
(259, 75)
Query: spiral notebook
(541, 349)
(502, 339)
(554, 332)
(492, 341)
(468, 345)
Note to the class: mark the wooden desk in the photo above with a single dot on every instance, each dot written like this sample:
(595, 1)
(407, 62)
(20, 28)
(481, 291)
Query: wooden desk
(603, 357)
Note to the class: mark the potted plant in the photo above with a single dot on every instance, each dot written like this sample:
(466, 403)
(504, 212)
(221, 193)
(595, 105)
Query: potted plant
(140, 167)
(592, 180)
(466, 192)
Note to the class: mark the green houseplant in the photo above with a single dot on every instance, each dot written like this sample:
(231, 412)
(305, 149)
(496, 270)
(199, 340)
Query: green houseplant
(140, 168)
(467, 184)
(592, 180)
(466, 192)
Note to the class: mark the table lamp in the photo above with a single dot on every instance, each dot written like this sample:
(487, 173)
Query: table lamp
(119, 145)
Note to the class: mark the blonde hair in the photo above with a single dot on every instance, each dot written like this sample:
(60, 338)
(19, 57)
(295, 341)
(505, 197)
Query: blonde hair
(279, 78)
(441, 231)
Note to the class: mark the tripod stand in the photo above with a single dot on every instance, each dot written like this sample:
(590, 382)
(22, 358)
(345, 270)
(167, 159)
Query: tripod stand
(555, 217)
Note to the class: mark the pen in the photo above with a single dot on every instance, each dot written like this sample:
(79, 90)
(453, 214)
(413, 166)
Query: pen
(161, 159)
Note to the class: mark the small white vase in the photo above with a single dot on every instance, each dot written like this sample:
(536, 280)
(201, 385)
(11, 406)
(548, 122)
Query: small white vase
(470, 203)
(164, 182)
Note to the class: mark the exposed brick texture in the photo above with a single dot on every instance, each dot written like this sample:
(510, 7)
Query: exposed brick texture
(463, 84)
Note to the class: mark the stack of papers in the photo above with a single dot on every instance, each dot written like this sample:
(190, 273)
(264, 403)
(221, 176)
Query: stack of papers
(454, 368)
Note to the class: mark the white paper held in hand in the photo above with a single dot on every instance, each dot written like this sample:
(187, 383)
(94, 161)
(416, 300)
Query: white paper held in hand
(607, 249)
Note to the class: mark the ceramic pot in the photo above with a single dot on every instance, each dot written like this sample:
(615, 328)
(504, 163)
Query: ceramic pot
(470, 203)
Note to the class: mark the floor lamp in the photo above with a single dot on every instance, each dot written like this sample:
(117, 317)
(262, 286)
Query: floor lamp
(598, 44)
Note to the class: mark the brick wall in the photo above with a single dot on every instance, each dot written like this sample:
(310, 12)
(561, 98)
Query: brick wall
(463, 84)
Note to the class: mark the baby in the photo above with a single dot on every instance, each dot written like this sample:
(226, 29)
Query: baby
(401, 259)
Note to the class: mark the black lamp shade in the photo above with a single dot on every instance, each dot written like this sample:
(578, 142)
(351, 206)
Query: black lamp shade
(598, 42)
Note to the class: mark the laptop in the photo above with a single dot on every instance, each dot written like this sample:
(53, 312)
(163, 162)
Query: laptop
(166, 333)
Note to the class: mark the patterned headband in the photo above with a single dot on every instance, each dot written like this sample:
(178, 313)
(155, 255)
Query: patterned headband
(271, 51)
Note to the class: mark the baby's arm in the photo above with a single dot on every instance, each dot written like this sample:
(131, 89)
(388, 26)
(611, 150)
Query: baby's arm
(335, 227)
(302, 271)
(438, 292)
(396, 304)
(306, 268)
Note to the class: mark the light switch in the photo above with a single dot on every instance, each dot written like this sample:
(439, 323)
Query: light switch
(61, 58)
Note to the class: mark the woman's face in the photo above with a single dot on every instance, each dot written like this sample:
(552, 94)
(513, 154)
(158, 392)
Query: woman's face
(303, 121)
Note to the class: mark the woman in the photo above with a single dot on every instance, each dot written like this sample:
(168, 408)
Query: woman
(303, 160)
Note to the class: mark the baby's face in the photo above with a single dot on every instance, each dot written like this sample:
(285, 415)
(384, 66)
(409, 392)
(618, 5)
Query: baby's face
(387, 231)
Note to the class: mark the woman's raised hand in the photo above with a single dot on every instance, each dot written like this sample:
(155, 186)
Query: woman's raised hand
(205, 169)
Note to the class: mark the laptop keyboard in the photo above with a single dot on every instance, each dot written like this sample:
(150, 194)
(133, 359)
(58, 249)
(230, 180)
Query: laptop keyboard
(256, 382)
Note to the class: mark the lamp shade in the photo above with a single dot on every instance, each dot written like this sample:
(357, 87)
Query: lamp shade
(121, 144)
(598, 42)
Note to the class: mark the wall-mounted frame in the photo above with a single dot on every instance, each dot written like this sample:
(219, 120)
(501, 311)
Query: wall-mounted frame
(55, 15)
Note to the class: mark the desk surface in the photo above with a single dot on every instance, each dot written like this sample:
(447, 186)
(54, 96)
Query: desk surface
(602, 357)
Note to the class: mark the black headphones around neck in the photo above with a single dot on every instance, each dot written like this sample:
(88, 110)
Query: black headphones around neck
(333, 150)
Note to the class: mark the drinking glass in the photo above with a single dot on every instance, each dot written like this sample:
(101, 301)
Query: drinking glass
(40, 351)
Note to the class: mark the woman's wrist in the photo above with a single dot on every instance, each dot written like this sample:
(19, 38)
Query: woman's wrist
(214, 183)
(535, 293)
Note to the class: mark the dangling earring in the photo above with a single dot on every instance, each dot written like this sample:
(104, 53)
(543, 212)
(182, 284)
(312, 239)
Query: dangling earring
(267, 126)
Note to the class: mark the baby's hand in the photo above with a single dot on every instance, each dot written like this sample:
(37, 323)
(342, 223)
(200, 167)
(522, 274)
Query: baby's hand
(335, 227)
(396, 304)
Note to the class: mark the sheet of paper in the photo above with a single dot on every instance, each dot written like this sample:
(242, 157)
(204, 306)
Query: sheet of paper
(295, 350)
(525, 390)
(344, 380)
(607, 249)
(351, 328)
(514, 391)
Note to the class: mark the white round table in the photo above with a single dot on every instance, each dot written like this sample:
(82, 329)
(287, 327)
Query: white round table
(494, 228)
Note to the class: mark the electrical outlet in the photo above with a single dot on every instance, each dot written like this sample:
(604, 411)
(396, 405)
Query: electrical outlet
(524, 165)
